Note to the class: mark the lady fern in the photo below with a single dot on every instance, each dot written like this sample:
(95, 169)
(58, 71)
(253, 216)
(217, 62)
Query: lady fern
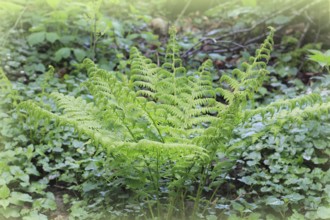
(168, 118)
(164, 109)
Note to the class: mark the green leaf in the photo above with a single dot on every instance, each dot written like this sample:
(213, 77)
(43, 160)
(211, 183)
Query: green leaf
(52, 37)
(4, 192)
(320, 144)
(29, 152)
(323, 212)
(39, 67)
(34, 215)
(318, 160)
(237, 206)
(46, 203)
(10, 212)
(17, 198)
(62, 53)
(248, 180)
(36, 38)
(296, 216)
(18, 173)
(295, 197)
(274, 201)
(323, 59)
(4, 203)
(79, 54)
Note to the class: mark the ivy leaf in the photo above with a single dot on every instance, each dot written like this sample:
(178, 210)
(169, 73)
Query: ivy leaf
(237, 206)
(295, 197)
(4, 203)
(274, 201)
(323, 59)
(35, 216)
(52, 37)
(19, 173)
(323, 212)
(39, 67)
(4, 192)
(320, 144)
(79, 54)
(62, 53)
(29, 152)
(10, 212)
(17, 198)
(296, 216)
(318, 160)
(36, 38)
(247, 180)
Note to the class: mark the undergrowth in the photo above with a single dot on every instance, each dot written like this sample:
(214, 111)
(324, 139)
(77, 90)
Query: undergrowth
(164, 141)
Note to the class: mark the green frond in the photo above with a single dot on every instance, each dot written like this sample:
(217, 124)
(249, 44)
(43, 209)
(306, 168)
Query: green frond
(233, 83)
(298, 115)
(175, 111)
(5, 85)
(7, 90)
(84, 125)
(226, 94)
(173, 61)
(288, 104)
(156, 149)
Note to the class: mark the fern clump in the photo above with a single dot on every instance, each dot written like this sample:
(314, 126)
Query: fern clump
(163, 127)
(164, 111)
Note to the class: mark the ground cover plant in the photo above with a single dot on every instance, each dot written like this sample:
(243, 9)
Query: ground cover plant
(163, 127)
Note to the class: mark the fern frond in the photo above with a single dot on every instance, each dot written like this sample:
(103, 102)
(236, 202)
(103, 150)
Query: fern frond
(5, 85)
(233, 83)
(156, 149)
(288, 104)
(173, 61)
(249, 79)
(298, 115)
(7, 90)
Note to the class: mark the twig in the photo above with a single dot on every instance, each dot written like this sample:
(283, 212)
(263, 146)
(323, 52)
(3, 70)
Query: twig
(183, 11)
(302, 37)
(195, 48)
(317, 35)
(201, 41)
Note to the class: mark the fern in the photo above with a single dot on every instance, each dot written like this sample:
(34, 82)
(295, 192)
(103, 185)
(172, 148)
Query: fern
(5, 85)
(162, 126)
(165, 111)
(7, 91)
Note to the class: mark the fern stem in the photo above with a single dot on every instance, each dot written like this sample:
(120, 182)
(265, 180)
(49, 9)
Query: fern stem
(128, 129)
(157, 183)
(153, 182)
(153, 123)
